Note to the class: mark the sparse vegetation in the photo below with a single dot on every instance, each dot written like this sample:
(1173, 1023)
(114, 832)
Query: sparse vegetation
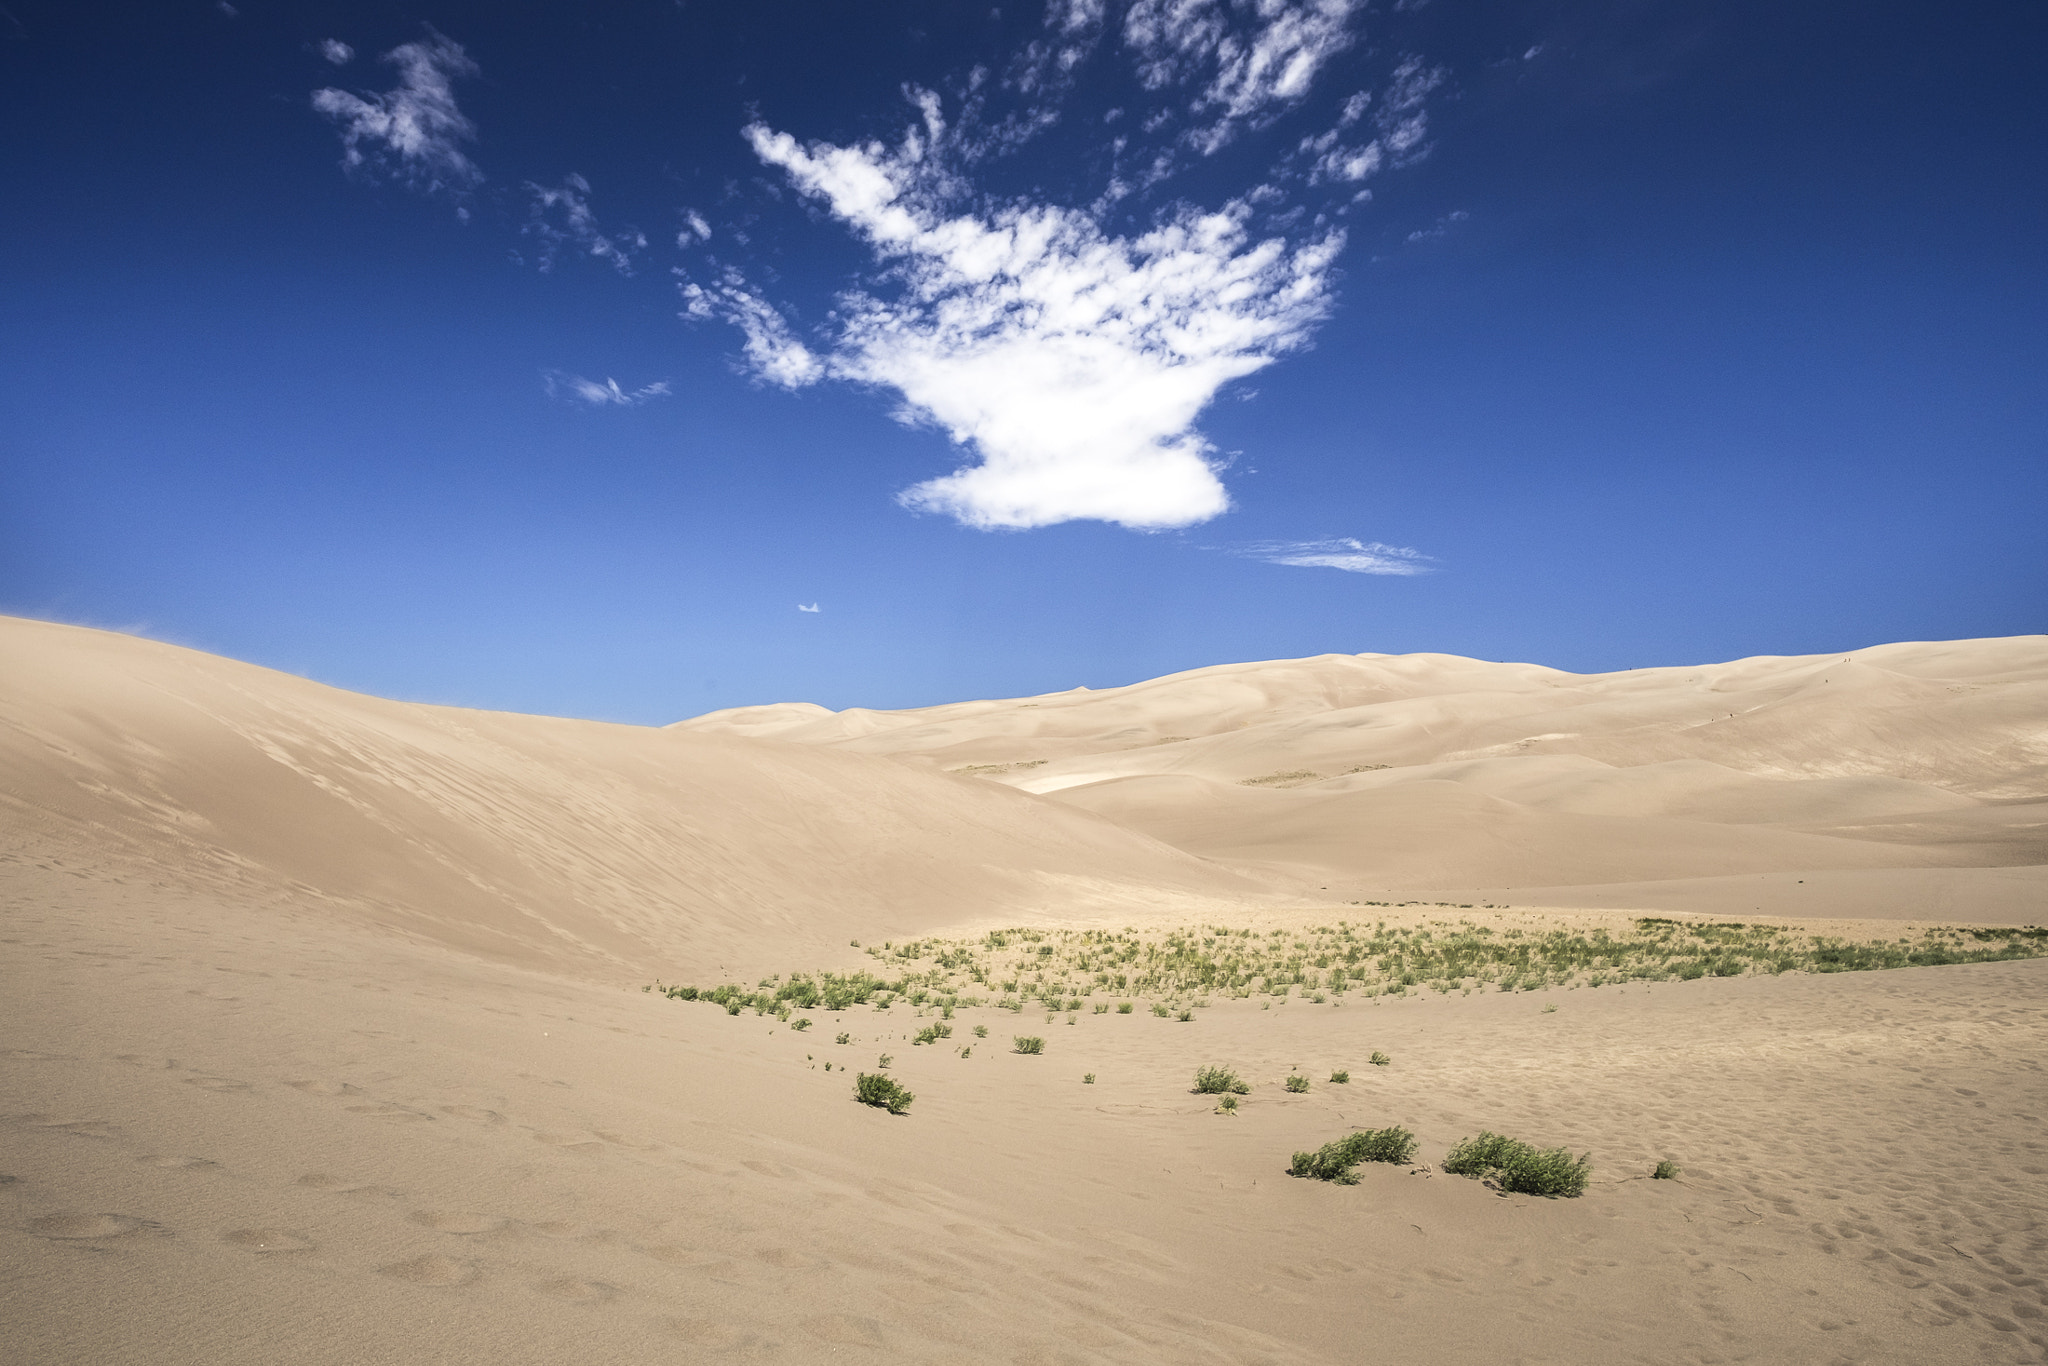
(1030, 1043)
(801, 1023)
(1379, 1059)
(1667, 1170)
(981, 1031)
(932, 1033)
(1335, 1161)
(872, 1088)
(1088, 1080)
(886, 1059)
(1065, 970)
(1516, 1166)
(1340, 1078)
(844, 1038)
(1218, 1081)
(1296, 1084)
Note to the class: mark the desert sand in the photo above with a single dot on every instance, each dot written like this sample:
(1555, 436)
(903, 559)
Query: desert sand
(323, 1033)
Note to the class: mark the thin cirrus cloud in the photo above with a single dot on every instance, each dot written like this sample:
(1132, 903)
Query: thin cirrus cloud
(560, 217)
(1071, 360)
(413, 133)
(1352, 556)
(599, 394)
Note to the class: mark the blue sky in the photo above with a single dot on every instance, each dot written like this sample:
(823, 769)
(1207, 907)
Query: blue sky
(509, 356)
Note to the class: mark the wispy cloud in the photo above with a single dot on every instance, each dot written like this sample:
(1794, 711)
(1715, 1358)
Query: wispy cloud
(605, 394)
(1354, 557)
(1070, 348)
(337, 52)
(812, 608)
(414, 133)
(561, 217)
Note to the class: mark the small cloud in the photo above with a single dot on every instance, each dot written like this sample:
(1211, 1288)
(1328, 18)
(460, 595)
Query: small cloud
(1351, 556)
(562, 215)
(560, 384)
(812, 608)
(413, 133)
(694, 229)
(1443, 225)
(338, 52)
(225, 8)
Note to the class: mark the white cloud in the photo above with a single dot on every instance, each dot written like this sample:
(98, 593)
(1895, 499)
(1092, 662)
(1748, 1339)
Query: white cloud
(338, 52)
(1073, 362)
(561, 384)
(812, 608)
(694, 229)
(1355, 557)
(562, 215)
(414, 133)
(1249, 69)
(772, 350)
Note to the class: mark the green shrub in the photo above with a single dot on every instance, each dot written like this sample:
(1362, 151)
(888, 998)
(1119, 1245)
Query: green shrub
(1102, 1007)
(1516, 1166)
(1334, 1161)
(1296, 1084)
(1186, 1016)
(1227, 1106)
(844, 1038)
(1340, 1078)
(801, 1023)
(981, 1031)
(1088, 1080)
(1667, 1170)
(885, 1060)
(872, 1088)
(932, 1034)
(1161, 1011)
(1379, 1059)
(1123, 1007)
(1030, 1043)
(1218, 1081)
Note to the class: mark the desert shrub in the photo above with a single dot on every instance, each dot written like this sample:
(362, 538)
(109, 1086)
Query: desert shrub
(1123, 1007)
(1186, 1016)
(1102, 1007)
(1218, 1081)
(1088, 1080)
(872, 1088)
(844, 1038)
(1340, 1077)
(1161, 1011)
(1227, 1106)
(1296, 1084)
(1667, 1170)
(981, 1031)
(1379, 1059)
(1334, 1161)
(1516, 1166)
(1030, 1043)
(932, 1034)
(801, 1023)
(885, 1060)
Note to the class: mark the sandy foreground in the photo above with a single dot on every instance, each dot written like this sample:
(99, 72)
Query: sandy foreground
(322, 1038)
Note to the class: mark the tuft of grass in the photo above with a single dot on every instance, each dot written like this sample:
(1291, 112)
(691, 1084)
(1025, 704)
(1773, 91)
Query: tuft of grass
(1088, 1079)
(1516, 1166)
(1296, 1084)
(885, 1060)
(1161, 1011)
(1030, 1043)
(1227, 1106)
(1102, 1007)
(1667, 1170)
(1219, 1081)
(872, 1088)
(1340, 1078)
(801, 1023)
(1123, 1007)
(844, 1038)
(981, 1031)
(1185, 1016)
(1550, 1009)
(1335, 1161)
(1379, 1059)
(932, 1033)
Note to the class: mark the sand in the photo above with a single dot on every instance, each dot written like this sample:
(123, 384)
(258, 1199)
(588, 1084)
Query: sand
(322, 1037)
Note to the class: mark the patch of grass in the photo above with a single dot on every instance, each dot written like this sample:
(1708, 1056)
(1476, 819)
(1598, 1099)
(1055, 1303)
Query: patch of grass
(981, 1031)
(801, 1023)
(1218, 1081)
(1123, 1007)
(932, 1033)
(1185, 1017)
(1516, 1166)
(1030, 1043)
(1296, 1084)
(1088, 1079)
(1282, 778)
(1335, 1161)
(1667, 1170)
(1379, 1059)
(1227, 1106)
(1340, 1078)
(1102, 1007)
(872, 1088)
(885, 1060)
(1161, 1011)
(844, 1038)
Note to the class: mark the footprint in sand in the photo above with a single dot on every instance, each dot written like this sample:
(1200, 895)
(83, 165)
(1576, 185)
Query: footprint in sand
(457, 1221)
(579, 1291)
(475, 1113)
(432, 1269)
(86, 1227)
(397, 1114)
(206, 1083)
(176, 1162)
(267, 1240)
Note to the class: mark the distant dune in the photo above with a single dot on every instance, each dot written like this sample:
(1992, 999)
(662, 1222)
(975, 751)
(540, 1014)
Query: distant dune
(324, 1032)
(1378, 774)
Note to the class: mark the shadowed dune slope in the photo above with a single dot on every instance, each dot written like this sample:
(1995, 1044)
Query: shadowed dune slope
(573, 844)
(1434, 771)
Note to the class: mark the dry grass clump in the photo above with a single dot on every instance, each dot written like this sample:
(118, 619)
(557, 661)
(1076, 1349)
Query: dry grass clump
(1029, 1043)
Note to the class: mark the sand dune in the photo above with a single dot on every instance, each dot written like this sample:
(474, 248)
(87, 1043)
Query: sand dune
(1376, 773)
(321, 1033)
